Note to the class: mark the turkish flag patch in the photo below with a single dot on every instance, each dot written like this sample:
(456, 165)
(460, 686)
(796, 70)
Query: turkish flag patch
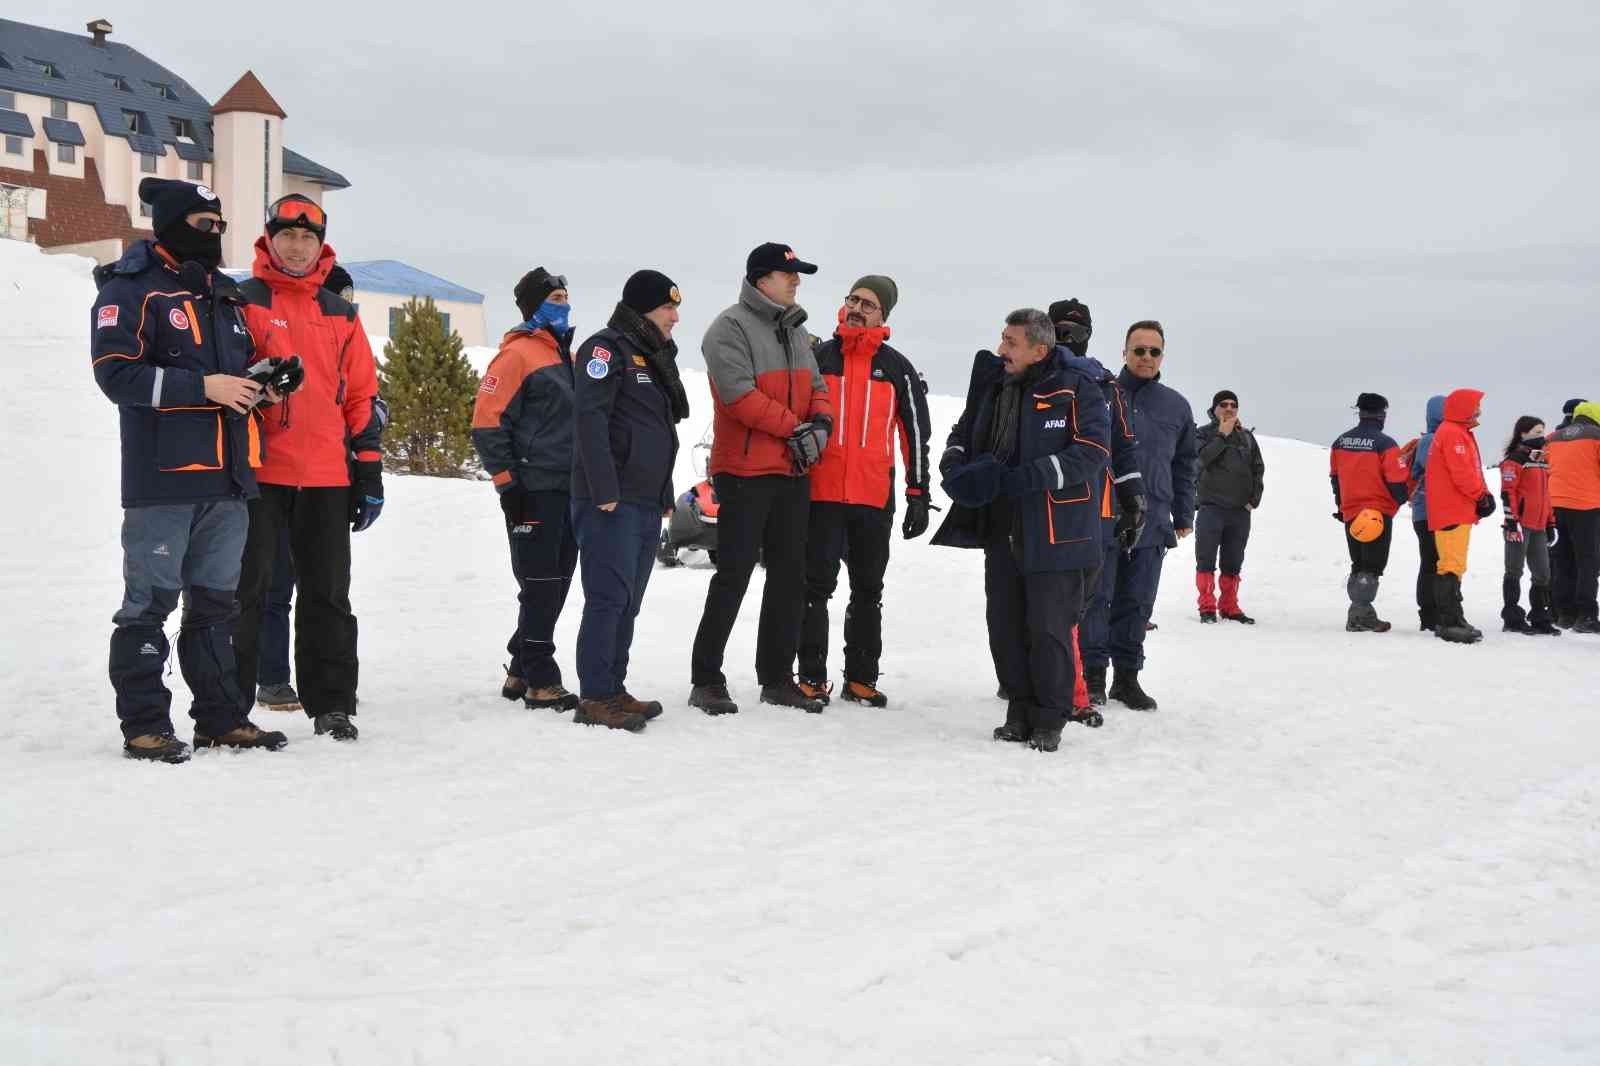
(601, 354)
(490, 383)
(107, 317)
(178, 319)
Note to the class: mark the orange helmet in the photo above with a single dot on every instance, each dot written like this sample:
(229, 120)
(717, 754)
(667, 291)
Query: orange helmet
(1367, 526)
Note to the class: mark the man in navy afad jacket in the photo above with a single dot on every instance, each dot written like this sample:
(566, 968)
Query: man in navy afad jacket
(1022, 466)
(1114, 626)
(169, 347)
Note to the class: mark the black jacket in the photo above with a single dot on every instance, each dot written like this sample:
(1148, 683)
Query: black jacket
(1231, 468)
(155, 333)
(627, 441)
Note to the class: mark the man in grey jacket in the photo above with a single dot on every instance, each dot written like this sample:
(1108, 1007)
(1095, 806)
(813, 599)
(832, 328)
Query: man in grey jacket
(771, 421)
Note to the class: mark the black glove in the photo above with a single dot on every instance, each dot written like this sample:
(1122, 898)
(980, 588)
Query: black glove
(916, 523)
(806, 442)
(1485, 505)
(1130, 524)
(952, 458)
(366, 494)
(282, 376)
(1513, 531)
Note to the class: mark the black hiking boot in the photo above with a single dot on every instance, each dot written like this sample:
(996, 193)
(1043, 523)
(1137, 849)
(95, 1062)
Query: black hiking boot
(651, 709)
(712, 699)
(1457, 633)
(550, 698)
(514, 686)
(787, 694)
(244, 735)
(861, 692)
(1125, 689)
(1517, 624)
(1240, 617)
(1045, 738)
(1016, 729)
(336, 724)
(610, 713)
(1208, 616)
(1087, 716)
(156, 747)
(281, 697)
(1566, 619)
(1094, 679)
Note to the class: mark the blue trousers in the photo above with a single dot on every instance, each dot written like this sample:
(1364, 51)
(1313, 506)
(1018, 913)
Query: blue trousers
(1113, 626)
(616, 552)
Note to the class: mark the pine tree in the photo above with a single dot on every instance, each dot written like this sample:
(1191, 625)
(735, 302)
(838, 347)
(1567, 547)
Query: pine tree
(430, 388)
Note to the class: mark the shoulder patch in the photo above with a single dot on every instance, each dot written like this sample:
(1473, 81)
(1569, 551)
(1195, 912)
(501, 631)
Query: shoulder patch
(602, 354)
(597, 368)
(107, 317)
(490, 384)
(179, 320)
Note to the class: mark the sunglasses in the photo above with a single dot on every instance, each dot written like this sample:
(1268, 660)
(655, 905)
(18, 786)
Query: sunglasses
(865, 305)
(210, 225)
(1154, 353)
(294, 209)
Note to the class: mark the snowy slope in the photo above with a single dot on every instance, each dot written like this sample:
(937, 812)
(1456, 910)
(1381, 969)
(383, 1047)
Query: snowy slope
(1324, 848)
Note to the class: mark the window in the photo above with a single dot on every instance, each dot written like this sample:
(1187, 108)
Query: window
(183, 127)
(397, 315)
(58, 109)
(13, 145)
(117, 81)
(197, 171)
(44, 67)
(135, 122)
(66, 153)
(8, 100)
(163, 91)
(446, 323)
(147, 163)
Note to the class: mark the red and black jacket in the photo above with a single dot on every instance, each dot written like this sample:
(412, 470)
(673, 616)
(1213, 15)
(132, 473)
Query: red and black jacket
(1367, 470)
(877, 395)
(1525, 488)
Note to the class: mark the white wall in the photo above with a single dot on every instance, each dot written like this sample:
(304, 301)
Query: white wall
(239, 148)
(106, 251)
(465, 319)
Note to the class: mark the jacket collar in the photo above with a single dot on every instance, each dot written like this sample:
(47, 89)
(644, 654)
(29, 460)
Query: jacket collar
(266, 268)
(1133, 383)
(757, 302)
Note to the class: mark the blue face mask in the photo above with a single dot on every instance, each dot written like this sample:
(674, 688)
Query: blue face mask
(554, 317)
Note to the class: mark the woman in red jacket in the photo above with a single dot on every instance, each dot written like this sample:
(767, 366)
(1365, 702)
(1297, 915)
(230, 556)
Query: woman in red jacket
(1525, 495)
(1457, 498)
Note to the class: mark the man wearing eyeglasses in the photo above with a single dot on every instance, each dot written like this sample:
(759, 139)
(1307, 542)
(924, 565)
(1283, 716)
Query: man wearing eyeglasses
(170, 349)
(877, 395)
(323, 473)
(1114, 626)
(1232, 475)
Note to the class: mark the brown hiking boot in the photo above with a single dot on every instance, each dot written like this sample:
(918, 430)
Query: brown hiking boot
(633, 705)
(156, 747)
(610, 713)
(514, 687)
(245, 735)
(861, 692)
(552, 698)
(821, 691)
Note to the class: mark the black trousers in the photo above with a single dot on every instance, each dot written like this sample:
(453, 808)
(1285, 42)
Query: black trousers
(858, 536)
(1372, 557)
(272, 662)
(1030, 618)
(1225, 530)
(763, 516)
(1583, 527)
(1563, 572)
(1427, 569)
(544, 553)
(318, 521)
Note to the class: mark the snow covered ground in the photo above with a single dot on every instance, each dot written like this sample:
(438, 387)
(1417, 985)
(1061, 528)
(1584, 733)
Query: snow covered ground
(1324, 848)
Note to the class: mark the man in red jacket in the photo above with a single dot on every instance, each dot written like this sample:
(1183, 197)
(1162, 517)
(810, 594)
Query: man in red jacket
(322, 476)
(1457, 498)
(1368, 473)
(877, 395)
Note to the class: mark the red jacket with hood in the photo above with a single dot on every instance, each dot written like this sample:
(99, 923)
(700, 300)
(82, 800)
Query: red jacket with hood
(1455, 471)
(335, 415)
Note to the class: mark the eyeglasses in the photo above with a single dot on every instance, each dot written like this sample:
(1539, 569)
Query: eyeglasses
(295, 208)
(210, 225)
(866, 305)
(1154, 353)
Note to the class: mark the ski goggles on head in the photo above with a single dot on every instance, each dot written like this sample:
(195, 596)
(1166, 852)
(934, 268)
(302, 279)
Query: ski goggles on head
(297, 210)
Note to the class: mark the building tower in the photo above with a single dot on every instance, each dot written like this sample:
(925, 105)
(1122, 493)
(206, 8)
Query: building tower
(247, 142)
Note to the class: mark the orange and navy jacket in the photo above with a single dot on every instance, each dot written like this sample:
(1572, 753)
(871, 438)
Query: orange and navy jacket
(1455, 469)
(1367, 470)
(156, 331)
(877, 395)
(1573, 452)
(522, 422)
(1525, 488)
(764, 382)
(335, 416)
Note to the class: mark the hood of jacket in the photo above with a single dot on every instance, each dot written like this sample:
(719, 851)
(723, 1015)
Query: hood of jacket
(1086, 365)
(1435, 412)
(1590, 410)
(1462, 405)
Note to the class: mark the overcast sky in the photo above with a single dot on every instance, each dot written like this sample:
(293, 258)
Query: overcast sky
(1338, 199)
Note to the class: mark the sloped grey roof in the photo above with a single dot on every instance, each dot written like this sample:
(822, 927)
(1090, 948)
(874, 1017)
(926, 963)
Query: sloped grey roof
(298, 165)
(15, 124)
(63, 132)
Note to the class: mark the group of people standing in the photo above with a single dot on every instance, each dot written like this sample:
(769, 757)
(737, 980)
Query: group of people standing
(1549, 494)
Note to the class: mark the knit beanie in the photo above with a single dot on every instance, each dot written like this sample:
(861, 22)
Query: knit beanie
(534, 289)
(1371, 403)
(647, 290)
(884, 288)
(173, 201)
(1225, 394)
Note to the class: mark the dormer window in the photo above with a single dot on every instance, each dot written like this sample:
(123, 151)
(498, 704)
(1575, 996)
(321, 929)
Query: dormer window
(117, 81)
(136, 122)
(163, 90)
(184, 129)
(44, 67)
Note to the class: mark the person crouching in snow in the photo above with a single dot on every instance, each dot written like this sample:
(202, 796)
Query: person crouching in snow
(1020, 466)
(1231, 473)
(1525, 495)
(1457, 498)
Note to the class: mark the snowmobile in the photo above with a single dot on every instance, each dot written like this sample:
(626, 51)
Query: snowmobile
(694, 514)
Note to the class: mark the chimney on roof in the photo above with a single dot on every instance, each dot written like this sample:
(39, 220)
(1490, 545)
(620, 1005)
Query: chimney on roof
(99, 29)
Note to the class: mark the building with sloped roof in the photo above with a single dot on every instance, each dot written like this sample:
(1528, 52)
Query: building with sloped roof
(384, 286)
(84, 119)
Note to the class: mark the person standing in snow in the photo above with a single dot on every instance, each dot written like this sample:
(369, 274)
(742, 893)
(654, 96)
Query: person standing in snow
(1458, 498)
(1525, 498)
(1231, 483)
(1020, 466)
(1574, 457)
(1368, 474)
(629, 400)
(772, 417)
(522, 428)
(1114, 624)
(1563, 567)
(878, 394)
(168, 346)
(1416, 482)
